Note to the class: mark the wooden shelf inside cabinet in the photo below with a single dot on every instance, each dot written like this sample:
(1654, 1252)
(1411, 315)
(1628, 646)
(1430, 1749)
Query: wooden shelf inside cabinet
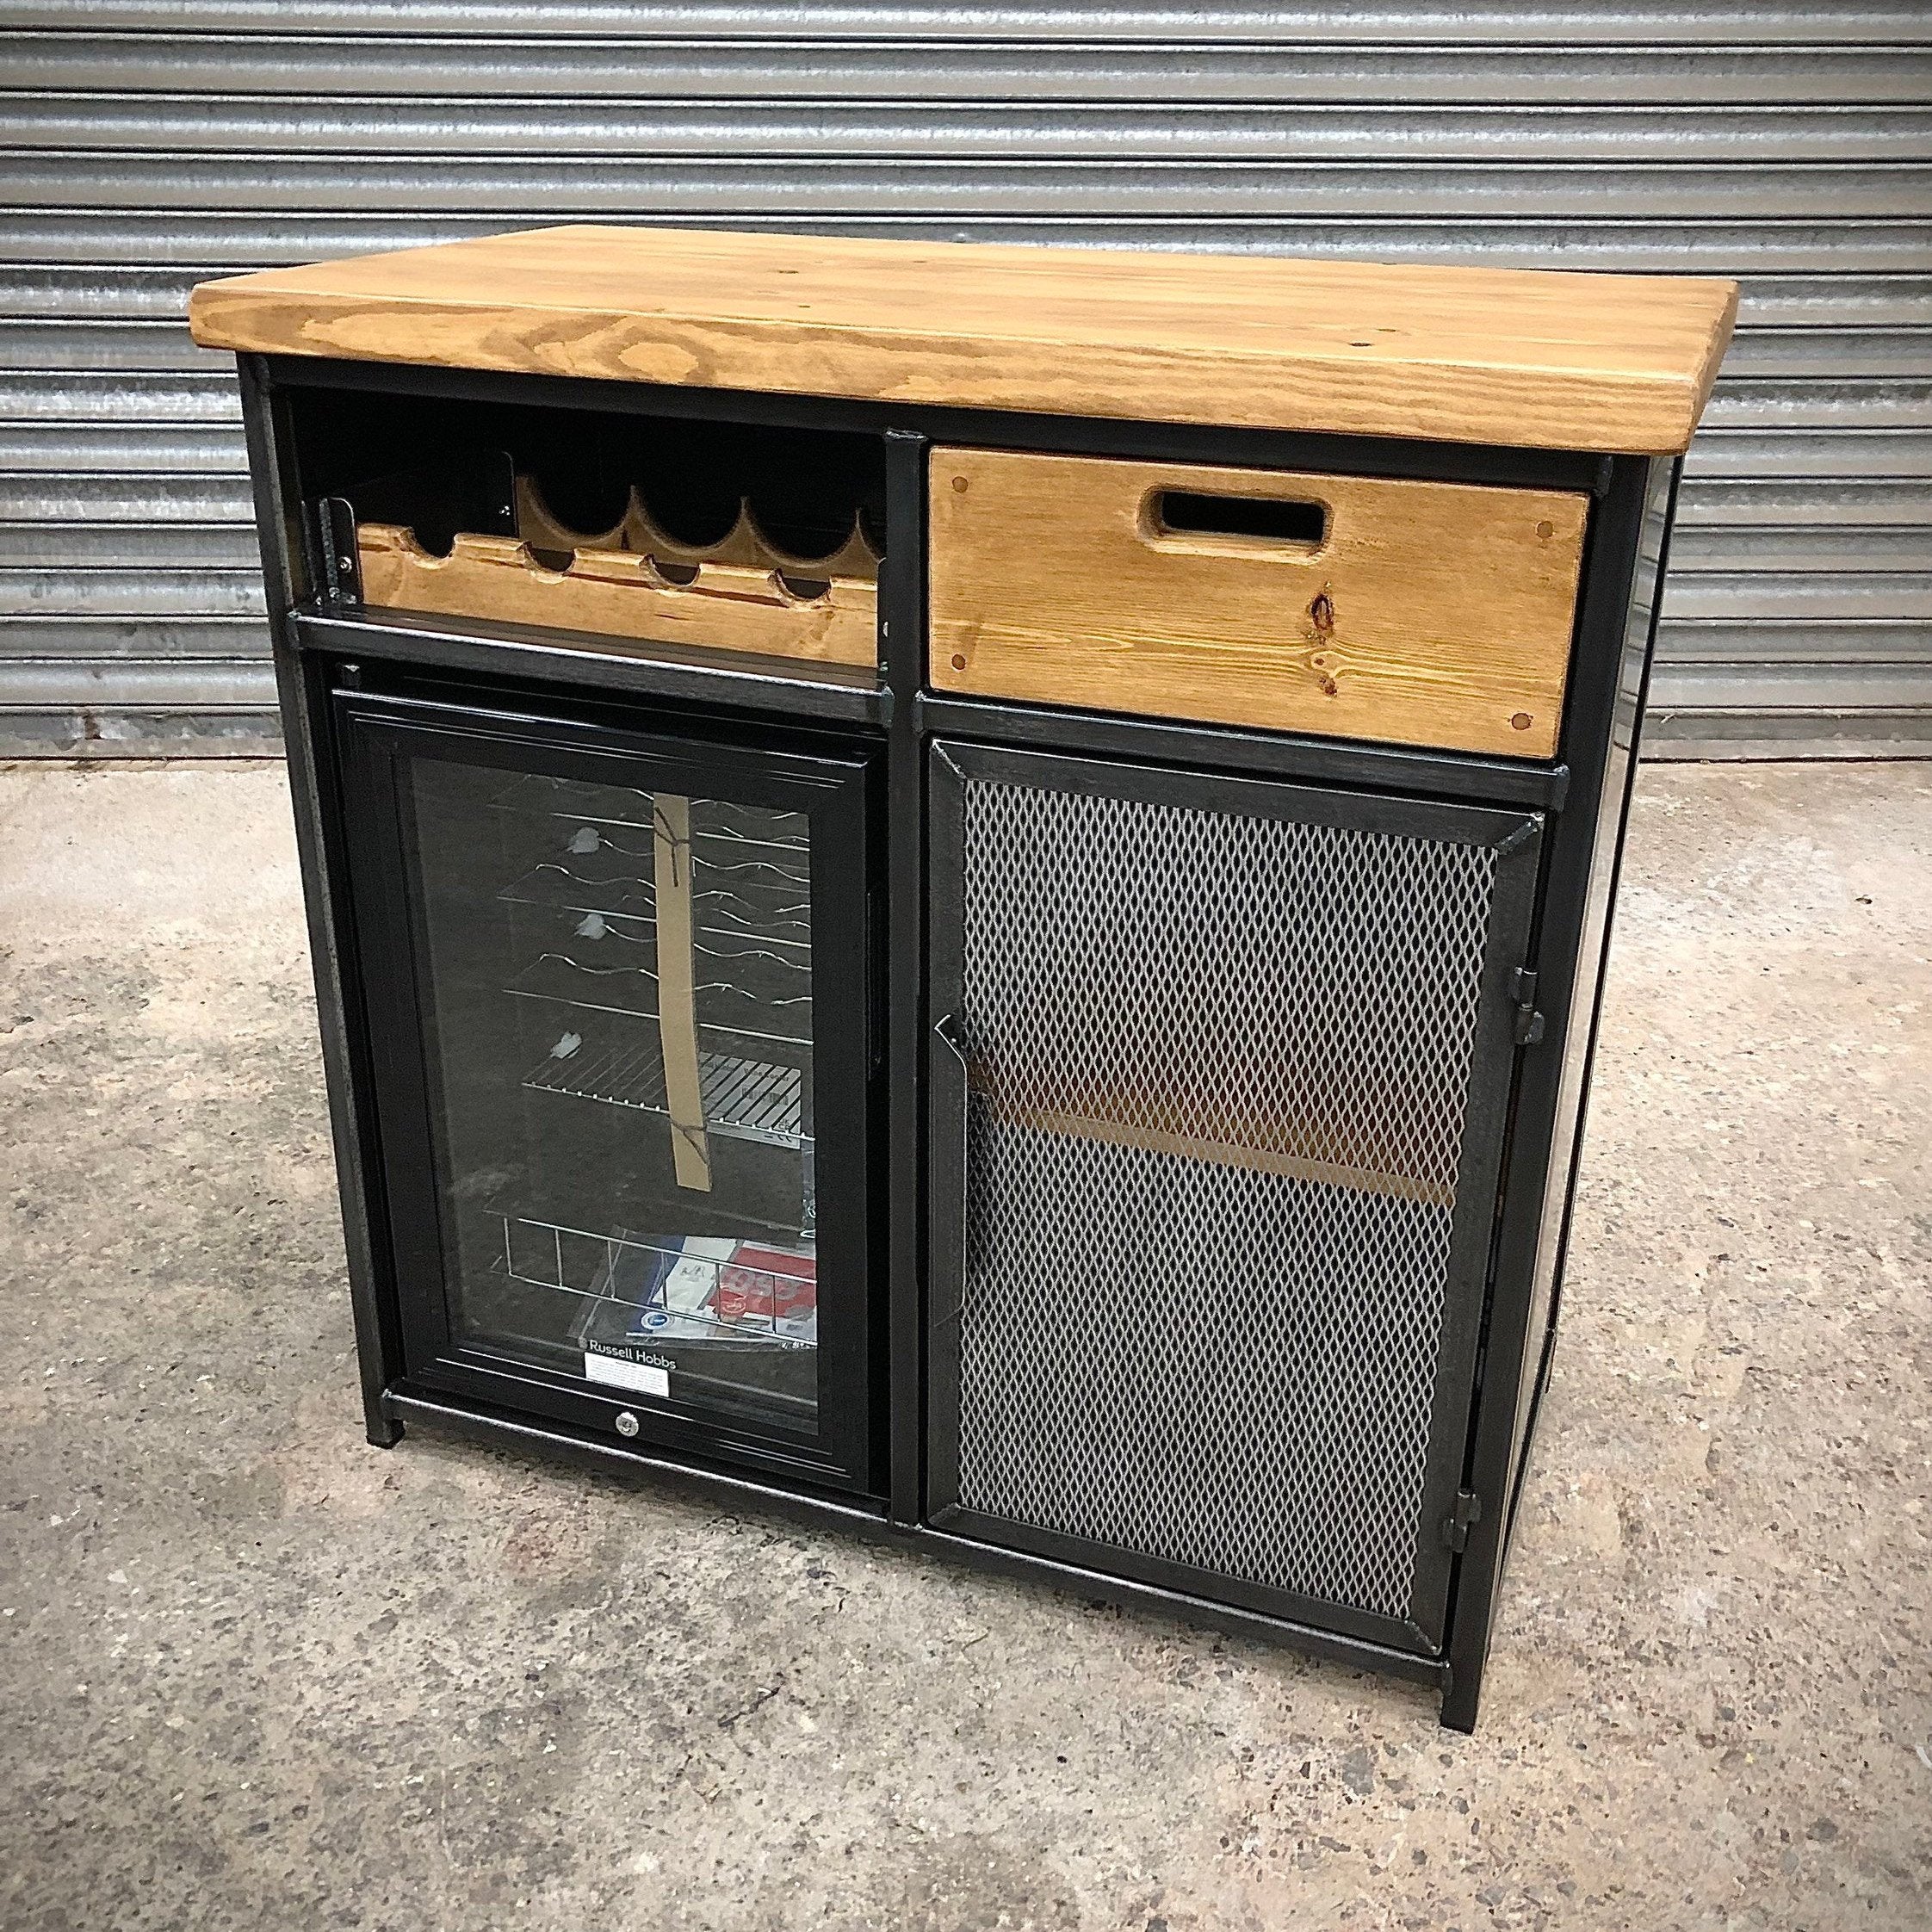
(1336, 1147)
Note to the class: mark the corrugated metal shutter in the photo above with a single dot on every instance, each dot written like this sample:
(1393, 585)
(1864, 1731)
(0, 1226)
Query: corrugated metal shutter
(148, 145)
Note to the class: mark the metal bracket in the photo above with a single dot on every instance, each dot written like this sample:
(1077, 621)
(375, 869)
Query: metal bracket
(1529, 1021)
(1530, 830)
(1456, 1527)
(335, 552)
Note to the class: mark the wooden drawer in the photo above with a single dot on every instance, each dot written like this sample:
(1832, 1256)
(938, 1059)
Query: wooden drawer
(1434, 614)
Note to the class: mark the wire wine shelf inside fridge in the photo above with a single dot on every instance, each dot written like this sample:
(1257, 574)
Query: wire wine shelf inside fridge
(745, 1099)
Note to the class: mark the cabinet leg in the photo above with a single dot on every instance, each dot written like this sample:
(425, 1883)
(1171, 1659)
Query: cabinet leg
(384, 1430)
(1462, 1699)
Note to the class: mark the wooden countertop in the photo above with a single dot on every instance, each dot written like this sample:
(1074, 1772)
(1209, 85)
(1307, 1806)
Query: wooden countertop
(1614, 363)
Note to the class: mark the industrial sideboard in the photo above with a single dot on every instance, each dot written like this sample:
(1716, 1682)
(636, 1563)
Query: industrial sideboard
(964, 888)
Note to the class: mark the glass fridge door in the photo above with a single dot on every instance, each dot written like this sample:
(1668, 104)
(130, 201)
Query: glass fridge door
(617, 1000)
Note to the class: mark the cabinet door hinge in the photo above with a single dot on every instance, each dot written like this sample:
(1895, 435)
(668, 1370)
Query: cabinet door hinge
(1529, 1021)
(1456, 1527)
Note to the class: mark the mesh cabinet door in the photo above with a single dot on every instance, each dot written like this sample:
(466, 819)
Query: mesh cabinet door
(1219, 1077)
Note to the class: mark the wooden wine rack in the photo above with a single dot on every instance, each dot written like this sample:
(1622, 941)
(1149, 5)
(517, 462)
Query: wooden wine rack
(635, 581)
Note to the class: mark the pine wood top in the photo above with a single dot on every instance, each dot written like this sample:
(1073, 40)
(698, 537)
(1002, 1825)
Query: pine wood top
(1614, 363)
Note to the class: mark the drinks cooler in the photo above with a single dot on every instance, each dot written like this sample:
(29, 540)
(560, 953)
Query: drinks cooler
(963, 889)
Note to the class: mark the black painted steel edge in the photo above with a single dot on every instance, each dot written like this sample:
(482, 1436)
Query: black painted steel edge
(1612, 560)
(945, 1125)
(1655, 570)
(313, 794)
(902, 633)
(1492, 1072)
(730, 681)
(1120, 437)
(1331, 1645)
(1267, 754)
(481, 1424)
(1182, 1580)
(1398, 815)
(486, 1422)
(514, 713)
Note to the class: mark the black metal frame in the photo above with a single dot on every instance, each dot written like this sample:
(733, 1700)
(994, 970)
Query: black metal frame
(1581, 796)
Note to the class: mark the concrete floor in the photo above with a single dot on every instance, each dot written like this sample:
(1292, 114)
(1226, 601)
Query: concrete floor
(259, 1674)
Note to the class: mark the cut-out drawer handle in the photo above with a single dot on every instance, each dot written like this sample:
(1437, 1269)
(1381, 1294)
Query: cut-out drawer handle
(1295, 526)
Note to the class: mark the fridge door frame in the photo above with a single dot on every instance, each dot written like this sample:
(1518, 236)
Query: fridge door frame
(1516, 834)
(836, 784)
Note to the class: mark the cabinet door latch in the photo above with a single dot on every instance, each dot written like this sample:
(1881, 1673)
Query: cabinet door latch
(1455, 1526)
(1529, 1021)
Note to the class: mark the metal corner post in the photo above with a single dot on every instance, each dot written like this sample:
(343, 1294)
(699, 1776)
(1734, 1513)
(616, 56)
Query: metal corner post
(902, 606)
(1615, 633)
(306, 740)
(1626, 734)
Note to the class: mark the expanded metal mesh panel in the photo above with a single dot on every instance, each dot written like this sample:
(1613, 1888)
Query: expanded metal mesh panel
(1220, 1066)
